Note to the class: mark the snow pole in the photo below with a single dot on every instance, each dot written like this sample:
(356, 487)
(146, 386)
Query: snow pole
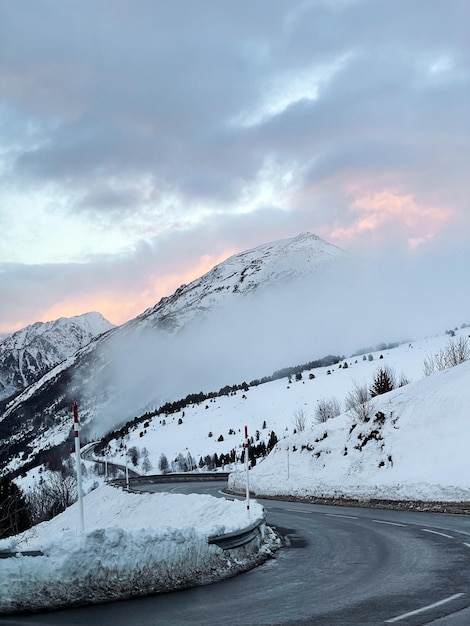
(247, 464)
(76, 429)
(287, 462)
(127, 469)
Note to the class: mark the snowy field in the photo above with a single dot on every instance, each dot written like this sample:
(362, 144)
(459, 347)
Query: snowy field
(133, 544)
(415, 447)
(425, 431)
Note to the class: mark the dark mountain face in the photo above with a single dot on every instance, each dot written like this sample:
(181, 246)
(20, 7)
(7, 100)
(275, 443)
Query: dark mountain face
(215, 328)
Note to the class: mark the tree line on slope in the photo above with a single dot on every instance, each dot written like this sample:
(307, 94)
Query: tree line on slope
(192, 399)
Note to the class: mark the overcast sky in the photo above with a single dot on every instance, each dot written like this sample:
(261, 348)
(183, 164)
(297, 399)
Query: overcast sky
(144, 141)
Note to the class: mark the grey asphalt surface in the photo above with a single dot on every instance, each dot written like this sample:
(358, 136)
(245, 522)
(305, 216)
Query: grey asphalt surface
(340, 566)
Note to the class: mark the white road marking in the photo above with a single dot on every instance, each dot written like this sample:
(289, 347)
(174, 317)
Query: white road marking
(424, 608)
(466, 544)
(434, 532)
(338, 515)
(381, 521)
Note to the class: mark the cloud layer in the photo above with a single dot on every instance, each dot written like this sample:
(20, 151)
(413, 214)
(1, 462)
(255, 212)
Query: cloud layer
(142, 143)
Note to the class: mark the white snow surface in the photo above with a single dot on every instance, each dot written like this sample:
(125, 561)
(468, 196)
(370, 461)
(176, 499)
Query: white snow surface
(419, 452)
(133, 544)
(425, 433)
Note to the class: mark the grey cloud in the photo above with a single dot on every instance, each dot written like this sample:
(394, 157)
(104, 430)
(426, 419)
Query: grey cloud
(153, 90)
(97, 96)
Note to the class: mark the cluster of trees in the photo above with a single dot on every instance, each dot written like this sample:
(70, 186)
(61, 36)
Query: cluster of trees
(14, 514)
(50, 496)
(381, 347)
(187, 463)
(359, 401)
(170, 408)
(296, 370)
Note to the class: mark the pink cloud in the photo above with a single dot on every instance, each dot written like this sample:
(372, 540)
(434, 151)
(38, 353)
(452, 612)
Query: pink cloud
(126, 302)
(387, 214)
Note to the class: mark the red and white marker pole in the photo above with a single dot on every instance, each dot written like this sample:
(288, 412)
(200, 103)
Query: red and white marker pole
(76, 430)
(127, 469)
(247, 465)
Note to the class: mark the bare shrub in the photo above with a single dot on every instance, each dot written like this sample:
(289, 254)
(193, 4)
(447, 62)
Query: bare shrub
(403, 380)
(456, 351)
(326, 409)
(51, 497)
(299, 420)
(359, 403)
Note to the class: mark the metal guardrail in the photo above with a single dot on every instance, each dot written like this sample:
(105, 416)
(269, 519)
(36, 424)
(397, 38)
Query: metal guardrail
(226, 541)
(170, 478)
(7, 554)
(239, 537)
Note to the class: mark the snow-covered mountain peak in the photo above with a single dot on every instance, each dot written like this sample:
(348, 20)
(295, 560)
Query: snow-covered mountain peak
(30, 352)
(281, 259)
(264, 266)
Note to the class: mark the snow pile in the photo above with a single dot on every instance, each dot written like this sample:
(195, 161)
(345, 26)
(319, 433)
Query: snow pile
(414, 447)
(134, 544)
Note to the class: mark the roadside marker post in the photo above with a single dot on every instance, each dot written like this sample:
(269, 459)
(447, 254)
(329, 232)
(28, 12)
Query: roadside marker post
(247, 465)
(76, 429)
(127, 469)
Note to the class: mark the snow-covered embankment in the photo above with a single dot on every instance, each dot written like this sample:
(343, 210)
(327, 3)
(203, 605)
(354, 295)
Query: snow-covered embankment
(134, 544)
(414, 447)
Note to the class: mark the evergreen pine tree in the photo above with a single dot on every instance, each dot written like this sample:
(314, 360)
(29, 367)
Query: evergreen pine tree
(384, 381)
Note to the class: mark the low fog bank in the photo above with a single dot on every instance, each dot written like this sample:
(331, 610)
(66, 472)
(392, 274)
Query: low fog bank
(252, 336)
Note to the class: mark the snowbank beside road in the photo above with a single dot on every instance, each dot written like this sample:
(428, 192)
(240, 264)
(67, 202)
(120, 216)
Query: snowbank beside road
(134, 544)
(413, 447)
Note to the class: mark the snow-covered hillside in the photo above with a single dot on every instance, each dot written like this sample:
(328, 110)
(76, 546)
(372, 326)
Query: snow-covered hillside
(216, 329)
(29, 353)
(415, 447)
(419, 450)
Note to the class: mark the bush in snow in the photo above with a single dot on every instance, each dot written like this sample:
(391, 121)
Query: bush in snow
(359, 403)
(384, 381)
(457, 351)
(299, 420)
(326, 409)
(52, 496)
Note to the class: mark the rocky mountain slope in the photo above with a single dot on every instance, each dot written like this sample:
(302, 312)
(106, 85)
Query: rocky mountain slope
(186, 341)
(26, 355)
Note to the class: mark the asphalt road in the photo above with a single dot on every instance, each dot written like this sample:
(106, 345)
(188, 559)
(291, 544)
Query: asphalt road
(341, 566)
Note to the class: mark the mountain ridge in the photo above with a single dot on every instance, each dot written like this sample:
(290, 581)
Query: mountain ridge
(135, 365)
(27, 354)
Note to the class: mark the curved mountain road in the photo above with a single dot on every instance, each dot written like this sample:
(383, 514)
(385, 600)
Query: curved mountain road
(341, 566)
